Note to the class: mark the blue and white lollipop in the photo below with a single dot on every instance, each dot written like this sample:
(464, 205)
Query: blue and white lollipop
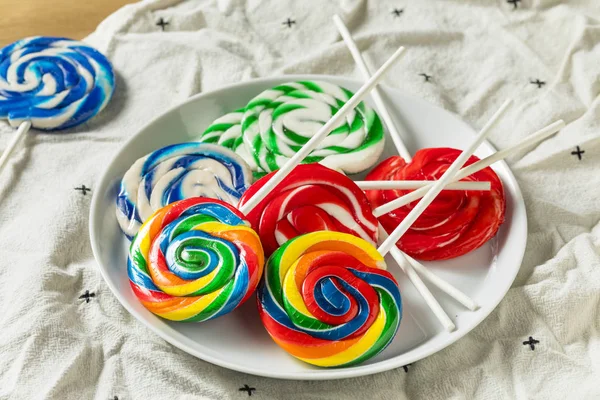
(51, 84)
(178, 172)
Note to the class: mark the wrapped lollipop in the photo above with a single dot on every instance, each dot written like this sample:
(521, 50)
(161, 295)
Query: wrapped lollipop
(327, 299)
(51, 84)
(279, 121)
(177, 172)
(194, 260)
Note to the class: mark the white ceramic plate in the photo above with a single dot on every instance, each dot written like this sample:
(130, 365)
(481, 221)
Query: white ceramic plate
(238, 341)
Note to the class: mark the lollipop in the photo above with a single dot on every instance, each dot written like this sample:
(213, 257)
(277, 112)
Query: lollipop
(226, 131)
(327, 299)
(279, 121)
(51, 84)
(175, 173)
(456, 222)
(180, 263)
(439, 224)
(194, 260)
(311, 198)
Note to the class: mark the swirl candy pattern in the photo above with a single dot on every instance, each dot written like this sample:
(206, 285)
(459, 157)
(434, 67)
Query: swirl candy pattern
(457, 222)
(175, 173)
(327, 299)
(55, 83)
(226, 131)
(279, 121)
(311, 198)
(195, 260)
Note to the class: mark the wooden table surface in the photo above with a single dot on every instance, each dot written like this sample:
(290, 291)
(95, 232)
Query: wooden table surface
(74, 19)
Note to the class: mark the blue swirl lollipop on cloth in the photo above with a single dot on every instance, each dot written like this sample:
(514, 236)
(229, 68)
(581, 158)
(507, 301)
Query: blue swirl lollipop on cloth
(178, 172)
(51, 84)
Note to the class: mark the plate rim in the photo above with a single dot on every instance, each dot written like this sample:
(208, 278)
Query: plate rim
(312, 374)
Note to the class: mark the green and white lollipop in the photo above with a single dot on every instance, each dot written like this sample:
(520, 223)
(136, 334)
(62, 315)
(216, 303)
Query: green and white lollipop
(226, 131)
(279, 121)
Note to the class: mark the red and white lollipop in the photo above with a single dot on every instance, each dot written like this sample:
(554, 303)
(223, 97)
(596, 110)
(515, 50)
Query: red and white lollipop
(310, 198)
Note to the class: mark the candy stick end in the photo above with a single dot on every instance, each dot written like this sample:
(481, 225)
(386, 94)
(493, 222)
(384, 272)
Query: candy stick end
(18, 136)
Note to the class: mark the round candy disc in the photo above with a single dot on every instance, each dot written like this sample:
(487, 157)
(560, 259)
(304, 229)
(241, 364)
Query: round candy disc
(279, 121)
(457, 222)
(195, 260)
(55, 83)
(178, 172)
(327, 299)
(311, 198)
(226, 131)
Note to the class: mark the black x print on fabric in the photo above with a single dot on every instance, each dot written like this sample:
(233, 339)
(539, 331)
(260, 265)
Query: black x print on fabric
(87, 295)
(538, 83)
(427, 77)
(578, 153)
(289, 22)
(83, 189)
(514, 3)
(398, 12)
(162, 23)
(248, 389)
(531, 342)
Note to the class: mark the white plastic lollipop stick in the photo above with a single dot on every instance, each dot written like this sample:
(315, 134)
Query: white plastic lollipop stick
(414, 278)
(403, 261)
(18, 136)
(442, 284)
(532, 139)
(439, 185)
(321, 133)
(404, 264)
(411, 185)
(364, 70)
(423, 290)
(433, 278)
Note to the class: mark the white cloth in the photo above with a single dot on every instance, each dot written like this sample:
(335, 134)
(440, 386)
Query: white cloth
(57, 346)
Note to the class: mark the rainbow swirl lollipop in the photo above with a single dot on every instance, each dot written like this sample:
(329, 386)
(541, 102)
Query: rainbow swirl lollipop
(178, 172)
(55, 83)
(279, 121)
(327, 299)
(195, 260)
